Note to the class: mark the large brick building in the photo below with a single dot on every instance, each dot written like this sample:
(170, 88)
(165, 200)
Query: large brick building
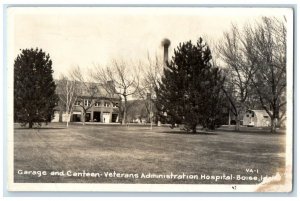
(99, 106)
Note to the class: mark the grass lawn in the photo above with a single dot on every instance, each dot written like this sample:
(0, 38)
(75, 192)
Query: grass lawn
(137, 150)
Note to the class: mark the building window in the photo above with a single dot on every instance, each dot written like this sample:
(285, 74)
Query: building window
(106, 104)
(87, 102)
(97, 104)
(116, 104)
(77, 103)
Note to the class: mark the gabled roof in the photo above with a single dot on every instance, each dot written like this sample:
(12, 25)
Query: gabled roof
(97, 90)
(260, 113)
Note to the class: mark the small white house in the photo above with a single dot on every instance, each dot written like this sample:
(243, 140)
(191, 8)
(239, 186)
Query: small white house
(256, 118)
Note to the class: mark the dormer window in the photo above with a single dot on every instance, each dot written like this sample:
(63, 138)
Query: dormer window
(97, 104)
(77, 103)
(87, 102)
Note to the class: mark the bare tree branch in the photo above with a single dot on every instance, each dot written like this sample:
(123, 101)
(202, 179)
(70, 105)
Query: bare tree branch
(119, 78)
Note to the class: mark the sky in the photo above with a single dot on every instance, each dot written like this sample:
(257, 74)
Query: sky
(91, 36)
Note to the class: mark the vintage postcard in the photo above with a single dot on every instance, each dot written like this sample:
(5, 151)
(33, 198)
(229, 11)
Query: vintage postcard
(150, 99)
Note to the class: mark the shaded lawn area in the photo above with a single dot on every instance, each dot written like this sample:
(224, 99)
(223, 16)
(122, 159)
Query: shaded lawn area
(137, 150)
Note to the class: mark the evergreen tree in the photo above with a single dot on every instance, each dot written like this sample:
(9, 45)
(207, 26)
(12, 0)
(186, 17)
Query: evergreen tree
(190, 90)
(34, 88)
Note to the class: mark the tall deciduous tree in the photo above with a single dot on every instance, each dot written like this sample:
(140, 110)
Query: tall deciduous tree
(269, 57)
(190, 90)
(119, 79)
(34, 88)
(88, 92)
(256, 60)
(152, 73)
(239, 74)
(67, 91)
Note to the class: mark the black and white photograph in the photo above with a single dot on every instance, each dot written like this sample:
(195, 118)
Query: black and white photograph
(150, 99)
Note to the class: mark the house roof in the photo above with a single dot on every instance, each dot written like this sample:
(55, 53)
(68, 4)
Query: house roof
(260, 113)
(88, 89)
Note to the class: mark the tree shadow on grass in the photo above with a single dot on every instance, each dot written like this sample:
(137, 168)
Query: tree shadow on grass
(252, 132)
(45, 128)
(190, 133)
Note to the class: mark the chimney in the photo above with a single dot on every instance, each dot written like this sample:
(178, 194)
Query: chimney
(166, 43)
(111, 85)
